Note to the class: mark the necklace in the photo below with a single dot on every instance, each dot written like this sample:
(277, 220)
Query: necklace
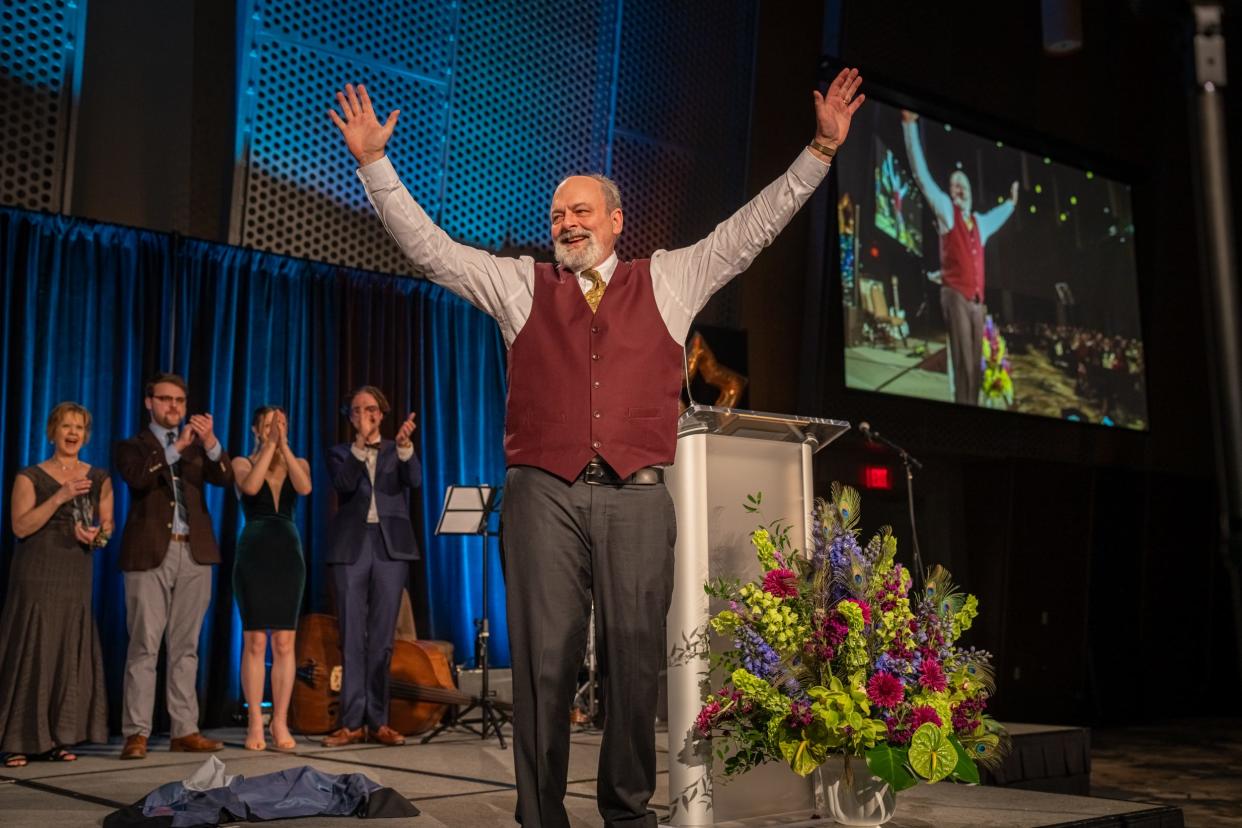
(67, 468)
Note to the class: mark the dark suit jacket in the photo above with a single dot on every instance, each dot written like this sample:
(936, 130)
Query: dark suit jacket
(393, 482)
(148, 527)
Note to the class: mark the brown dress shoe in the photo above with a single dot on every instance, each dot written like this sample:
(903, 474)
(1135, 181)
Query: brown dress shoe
(344, 736)
(385, 735)
(135, 747)
(194, 743)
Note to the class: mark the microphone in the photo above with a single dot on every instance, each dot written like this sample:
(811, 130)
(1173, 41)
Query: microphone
(876, 438)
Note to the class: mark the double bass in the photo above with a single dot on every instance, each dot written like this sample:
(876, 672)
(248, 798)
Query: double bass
(421, 683)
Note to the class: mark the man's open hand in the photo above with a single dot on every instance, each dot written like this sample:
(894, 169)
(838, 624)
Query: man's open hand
(365, 136)
(835, 110)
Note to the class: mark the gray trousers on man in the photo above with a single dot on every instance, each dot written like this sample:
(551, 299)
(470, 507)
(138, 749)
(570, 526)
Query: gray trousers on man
(564, 546)
(964, 319)
(167, 603)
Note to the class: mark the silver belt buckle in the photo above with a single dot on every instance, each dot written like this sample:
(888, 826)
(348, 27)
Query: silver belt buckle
(594, 474)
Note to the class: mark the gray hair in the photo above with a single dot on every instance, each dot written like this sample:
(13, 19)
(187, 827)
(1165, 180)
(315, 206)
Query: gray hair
(612, 193)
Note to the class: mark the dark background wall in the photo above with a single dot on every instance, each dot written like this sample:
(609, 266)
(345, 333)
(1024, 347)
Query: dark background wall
(1095, 552)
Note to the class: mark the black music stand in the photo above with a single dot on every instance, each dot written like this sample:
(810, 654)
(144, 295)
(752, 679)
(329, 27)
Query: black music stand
(467, 511)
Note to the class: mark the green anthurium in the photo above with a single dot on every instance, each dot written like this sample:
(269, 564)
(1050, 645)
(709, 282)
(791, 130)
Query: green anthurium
(931, 755)
(799, 755)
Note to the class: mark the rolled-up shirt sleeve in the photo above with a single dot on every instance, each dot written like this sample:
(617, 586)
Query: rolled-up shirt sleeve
(500, 287)
(684, 279)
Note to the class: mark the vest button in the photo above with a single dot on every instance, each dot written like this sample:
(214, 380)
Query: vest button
(595, 384)
(170, 526)
(595, 357)
(596, 414)
(594, 329)
(595, 444)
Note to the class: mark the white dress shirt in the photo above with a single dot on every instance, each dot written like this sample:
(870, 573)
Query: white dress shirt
(172, 457)
(368, 456)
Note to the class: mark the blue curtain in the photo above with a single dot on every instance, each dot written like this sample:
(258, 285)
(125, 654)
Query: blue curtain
(90, 311)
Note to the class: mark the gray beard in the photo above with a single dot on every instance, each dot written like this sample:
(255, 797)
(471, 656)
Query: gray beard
(577, 259)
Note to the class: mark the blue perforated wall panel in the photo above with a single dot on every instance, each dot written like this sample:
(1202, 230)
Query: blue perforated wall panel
(499, 101)
(40, 49)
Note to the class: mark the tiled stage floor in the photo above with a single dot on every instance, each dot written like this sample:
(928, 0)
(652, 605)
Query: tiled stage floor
(459, 780)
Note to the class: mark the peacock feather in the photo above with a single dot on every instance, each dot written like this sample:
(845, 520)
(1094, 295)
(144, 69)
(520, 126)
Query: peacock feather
(847, 503)
(940, 591)
(989, 744)
(975, 671)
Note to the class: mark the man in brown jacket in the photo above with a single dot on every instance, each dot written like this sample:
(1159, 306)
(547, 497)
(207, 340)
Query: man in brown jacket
(167, 552)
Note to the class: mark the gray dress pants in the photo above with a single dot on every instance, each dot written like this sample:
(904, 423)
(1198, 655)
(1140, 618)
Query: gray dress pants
(167, 603)
(564, 546)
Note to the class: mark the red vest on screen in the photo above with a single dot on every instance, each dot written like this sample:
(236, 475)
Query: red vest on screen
(961, 257)
(582, 384)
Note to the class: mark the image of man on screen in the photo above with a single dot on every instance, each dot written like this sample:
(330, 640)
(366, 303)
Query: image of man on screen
(963, 234)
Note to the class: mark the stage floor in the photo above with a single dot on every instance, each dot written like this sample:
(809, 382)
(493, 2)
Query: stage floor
(459, 780)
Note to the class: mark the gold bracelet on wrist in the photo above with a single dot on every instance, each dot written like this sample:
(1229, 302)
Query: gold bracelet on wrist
(818, 147)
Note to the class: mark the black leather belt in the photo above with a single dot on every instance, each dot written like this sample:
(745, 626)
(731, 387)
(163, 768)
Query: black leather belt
(599, 473)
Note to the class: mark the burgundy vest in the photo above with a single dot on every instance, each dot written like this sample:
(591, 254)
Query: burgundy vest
(582, 384)
(961, 257)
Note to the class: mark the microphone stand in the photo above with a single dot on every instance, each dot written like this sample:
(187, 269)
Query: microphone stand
(911, 463)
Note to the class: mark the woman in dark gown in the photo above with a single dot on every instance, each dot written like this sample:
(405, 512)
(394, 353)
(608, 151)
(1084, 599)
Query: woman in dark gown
(268, 570)
(51, 665)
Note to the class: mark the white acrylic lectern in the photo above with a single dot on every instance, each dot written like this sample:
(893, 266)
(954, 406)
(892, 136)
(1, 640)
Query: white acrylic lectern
(723, 455)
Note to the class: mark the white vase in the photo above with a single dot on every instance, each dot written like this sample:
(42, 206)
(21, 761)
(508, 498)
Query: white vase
(851, 795)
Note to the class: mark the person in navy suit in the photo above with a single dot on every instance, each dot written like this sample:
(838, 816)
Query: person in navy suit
(370, 546)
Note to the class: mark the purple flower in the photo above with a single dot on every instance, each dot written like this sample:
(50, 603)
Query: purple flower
(924, 714)
(782, 583)
(799, 714)
(703, 722)
(898, 733)
(885, 690)
(931, 676)
(758, 656)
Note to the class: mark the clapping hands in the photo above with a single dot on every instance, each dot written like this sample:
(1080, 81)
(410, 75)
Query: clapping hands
(406, 432)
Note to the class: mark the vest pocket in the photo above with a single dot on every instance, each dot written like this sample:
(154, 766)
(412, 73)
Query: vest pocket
(643, 413)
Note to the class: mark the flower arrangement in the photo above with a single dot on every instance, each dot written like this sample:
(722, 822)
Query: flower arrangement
(997, 381)
(833, 654)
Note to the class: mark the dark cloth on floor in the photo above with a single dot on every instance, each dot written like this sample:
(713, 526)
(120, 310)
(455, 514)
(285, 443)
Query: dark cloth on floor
(294, 792)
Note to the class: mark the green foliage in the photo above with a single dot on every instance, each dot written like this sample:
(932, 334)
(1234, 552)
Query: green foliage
(807, 639)
(965, 770)
(931, 754)
(889, 763)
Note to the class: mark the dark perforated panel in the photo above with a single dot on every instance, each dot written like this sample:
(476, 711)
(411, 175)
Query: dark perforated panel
(408, 35)
(530, 106)
(38, 51)
(302, 197)
(500, 100)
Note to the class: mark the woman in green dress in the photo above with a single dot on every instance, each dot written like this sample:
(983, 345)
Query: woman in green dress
(51, 664)
(268, 570)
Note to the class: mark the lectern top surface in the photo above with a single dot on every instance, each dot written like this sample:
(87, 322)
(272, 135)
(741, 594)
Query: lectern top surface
(760, 425)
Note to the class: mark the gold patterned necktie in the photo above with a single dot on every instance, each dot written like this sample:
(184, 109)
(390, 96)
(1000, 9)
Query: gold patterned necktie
(596, 292)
